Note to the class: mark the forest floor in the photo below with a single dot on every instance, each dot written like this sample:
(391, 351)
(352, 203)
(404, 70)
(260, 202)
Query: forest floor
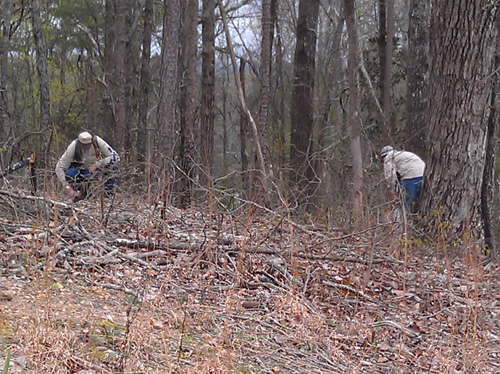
(126, 287)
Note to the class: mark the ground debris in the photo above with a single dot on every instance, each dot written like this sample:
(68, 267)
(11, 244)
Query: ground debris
(119, 287)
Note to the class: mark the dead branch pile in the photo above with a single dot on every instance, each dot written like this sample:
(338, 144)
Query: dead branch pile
(158, 289)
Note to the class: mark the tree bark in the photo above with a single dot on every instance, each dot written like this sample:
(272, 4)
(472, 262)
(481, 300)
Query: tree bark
(143, 136)
(461, 55)
(43, 76)
(207, 92)
(167, 104)
(417, 98)
(265, 81)
(354, 111)
(5, 19)
(302, 111)
(187, 148)
(119, 77)
(245, 177)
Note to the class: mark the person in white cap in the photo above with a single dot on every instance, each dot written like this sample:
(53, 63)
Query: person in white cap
(404, 173)
(87, 158)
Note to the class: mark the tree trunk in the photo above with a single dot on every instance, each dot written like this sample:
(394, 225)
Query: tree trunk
(119, 77)
(301, 171)
(143, 138)
(461, 55)
(265, 82)
(245, 176)
(387, 83)
(186, 154)
(5, 121)
(43, 77)
(354, 110)
(487, 188)
(207, 92)
(167, 104)
(382, 55)
(418, 77)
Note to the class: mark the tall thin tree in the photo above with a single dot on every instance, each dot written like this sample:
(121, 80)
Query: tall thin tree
(43, 75)
(207, 91)
(354, 110)
(302, 112)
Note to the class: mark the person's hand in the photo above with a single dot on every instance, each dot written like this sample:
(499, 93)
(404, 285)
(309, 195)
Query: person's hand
(69, 191)
(93, 168)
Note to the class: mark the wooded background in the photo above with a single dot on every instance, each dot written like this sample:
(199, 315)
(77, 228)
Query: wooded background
(284, 103)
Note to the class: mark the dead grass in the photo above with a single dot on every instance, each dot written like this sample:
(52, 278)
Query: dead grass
(245, 295)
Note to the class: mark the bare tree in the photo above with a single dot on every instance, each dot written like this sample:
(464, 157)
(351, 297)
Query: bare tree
(354, 110)
(301, 171)
(119, 76)
(164, 141)
(5, 19)
(418, 76)
(43, 76)
(143, 144)
(207, 91)
(186, 153)
(461, 56)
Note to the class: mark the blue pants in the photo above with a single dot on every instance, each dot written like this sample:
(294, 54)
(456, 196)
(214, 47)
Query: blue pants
(76, 177)
(411, 189)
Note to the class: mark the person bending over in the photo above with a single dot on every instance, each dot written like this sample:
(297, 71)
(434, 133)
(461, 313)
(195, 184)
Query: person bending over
(87, 159)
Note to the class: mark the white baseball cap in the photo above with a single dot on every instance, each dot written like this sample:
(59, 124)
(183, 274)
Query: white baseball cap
(85, 137)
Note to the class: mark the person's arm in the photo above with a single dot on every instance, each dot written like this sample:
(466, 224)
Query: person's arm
(64, 163)
(390, 173)
(111, 157)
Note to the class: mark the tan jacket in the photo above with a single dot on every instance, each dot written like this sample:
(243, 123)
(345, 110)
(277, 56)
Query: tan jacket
(399, 165)
(106, 156)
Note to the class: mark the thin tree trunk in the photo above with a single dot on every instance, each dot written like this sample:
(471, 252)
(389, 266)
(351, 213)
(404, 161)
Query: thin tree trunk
(245, 177)
(207, 92)
(119, 77)
(265, 80)
(167, 105)
(43, 76)
(301, 171)
(354, 111)
(489, 167)
(187, 123)
(5, 19)
(387, 83)
(143, 143)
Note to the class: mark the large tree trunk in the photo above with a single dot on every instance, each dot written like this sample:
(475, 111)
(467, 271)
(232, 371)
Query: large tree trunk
(417, 98)
(143, 138)
(461, 55)
(301, 171)
(187, 148)
(354, 111)
(167, 105)
(43, 78)
(207, 91)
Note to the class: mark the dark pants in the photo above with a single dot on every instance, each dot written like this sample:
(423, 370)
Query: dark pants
(80, 179)
(411, 189)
